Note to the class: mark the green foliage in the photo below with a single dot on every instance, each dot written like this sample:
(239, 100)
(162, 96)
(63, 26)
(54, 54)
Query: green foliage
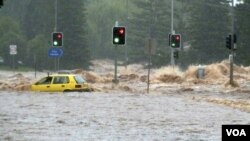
(87, 28)
(243, 31)
(37, 51)
(40, 18)
(11, 34)
(37, 20)
(72, 22)
(208, 24)
(15, 9)
(151, 20)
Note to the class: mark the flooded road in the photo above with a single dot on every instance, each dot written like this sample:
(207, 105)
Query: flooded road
(27, 116)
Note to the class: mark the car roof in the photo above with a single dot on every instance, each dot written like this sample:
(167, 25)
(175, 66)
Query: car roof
(62, 75)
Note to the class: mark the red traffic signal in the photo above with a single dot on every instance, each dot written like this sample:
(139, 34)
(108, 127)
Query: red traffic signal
(57, 39)
(59, 36)
(121, 31)
(177, 37)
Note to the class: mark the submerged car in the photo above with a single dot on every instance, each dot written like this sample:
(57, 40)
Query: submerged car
(61, 83)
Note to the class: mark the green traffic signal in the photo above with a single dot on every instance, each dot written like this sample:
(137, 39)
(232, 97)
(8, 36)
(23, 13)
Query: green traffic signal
(55, 43)
(116, 40)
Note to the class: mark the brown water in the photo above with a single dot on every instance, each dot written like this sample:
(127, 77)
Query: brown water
(29, 116)
(103, 72)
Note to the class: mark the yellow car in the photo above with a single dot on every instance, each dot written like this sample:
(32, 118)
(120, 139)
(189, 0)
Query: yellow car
(61, 83)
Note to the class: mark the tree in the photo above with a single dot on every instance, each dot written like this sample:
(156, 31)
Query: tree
(37, 51)
(208, 26)
(40, 16)
(15, 9)
(242, 17)
(72, 22)
(151, 20)
(11, 34)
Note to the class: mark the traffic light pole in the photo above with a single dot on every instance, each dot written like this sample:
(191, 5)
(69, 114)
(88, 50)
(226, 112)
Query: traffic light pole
(149, 62)
(115, 80)
(231, 56)
(55, 16)
(126, 46)
(55, 64)
(172, 31)
(57, 59)
(115, 76)
(35, 64)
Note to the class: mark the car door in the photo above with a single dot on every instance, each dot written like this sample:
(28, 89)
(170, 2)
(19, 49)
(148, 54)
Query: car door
(43, 85)
(60, 83)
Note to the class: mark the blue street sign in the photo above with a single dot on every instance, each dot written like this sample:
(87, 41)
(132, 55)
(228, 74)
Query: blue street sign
(55, 52)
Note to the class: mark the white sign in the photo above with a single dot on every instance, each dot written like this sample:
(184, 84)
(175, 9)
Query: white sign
(13, 49)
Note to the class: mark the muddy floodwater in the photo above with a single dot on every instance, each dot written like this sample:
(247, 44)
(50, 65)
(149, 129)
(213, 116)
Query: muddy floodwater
(179, 107)
(28, 116)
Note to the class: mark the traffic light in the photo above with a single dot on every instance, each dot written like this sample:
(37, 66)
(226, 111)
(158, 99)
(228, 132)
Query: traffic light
(176, 54)
(57, 39)
(175, 41)
(229, 41)
(119, 35)
(1, 3)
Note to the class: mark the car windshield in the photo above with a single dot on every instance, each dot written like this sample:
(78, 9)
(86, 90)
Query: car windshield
(79, 79)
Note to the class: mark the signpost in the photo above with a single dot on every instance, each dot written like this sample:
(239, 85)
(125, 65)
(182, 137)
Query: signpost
(13, 52)
(149, 49)
(55, 53)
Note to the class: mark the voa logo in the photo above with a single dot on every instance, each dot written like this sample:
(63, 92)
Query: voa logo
(236, 132)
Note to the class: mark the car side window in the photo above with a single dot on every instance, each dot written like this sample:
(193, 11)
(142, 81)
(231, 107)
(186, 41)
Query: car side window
(61, 80)
(45, 80)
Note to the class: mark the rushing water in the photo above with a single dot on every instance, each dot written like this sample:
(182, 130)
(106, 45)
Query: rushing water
(30, 116)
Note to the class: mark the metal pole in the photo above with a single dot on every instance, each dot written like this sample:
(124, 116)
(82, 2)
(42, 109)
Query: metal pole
(115, 77)
(58, 63)
(172, 16)
(35, 64)
(55, 64)
(149, 64)
(233, 45)
(126, 46)
(116, 47)
(13, 63)
(172, 32)
(55, 29)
